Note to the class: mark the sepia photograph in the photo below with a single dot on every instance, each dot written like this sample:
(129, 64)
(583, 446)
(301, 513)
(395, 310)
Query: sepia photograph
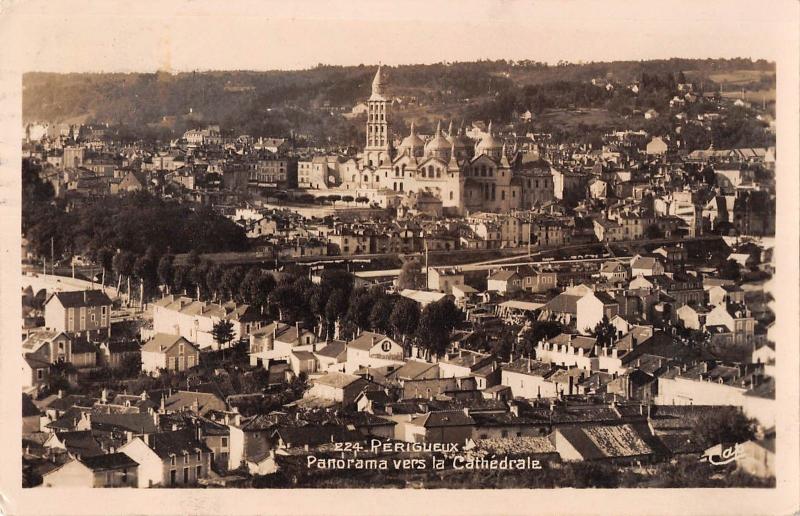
(330, 250)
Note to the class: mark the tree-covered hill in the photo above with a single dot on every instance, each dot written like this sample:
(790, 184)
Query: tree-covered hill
(311, 101)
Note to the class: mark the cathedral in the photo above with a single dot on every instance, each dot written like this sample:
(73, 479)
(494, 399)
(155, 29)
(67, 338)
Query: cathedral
(465, 178)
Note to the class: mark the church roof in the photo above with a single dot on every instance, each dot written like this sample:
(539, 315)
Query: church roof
(378, 85)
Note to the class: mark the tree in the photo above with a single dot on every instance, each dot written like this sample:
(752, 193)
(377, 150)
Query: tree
(359, 311)
(284, 298)
(730, 270)
(409, 276)
(653, 232)
(404, 317)
(380, 315)
(723, 425)
(604, 332)
(335, 308)
(166, 270)
(222, 332)
(435, 324)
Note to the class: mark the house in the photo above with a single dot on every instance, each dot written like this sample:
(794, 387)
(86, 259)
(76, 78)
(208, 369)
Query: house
(303, 362)
(332, 356)
(277, 340)
(737, 318)
(337, 387)
(527, 378)
(625, 443)
(592, 308)
(84, 313)
(171, 352)
(194, 320)
(169, 459)
(107, 470)
(463, 363)
(443, 279)
(656, 147)
(452, 426)
(537, 281)
(720, 294)
(692, 317)
(504, 282)
(200, 403)
(312, 436)
(646, 266)
(371, 349)
(614, 272)
(35, 372)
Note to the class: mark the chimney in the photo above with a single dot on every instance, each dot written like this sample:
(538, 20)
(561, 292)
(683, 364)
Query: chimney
(297, 328)
(85, 297)
(60, 393)
(104, 395)
(514, 409)
(155, 418)
(571, 383)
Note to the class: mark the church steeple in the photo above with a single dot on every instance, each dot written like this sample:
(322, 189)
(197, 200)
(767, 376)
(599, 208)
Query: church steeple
(378, 148)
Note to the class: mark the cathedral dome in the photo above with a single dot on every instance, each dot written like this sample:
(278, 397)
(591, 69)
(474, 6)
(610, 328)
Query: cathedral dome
(438, 143)
(488, 144)
(412, 141)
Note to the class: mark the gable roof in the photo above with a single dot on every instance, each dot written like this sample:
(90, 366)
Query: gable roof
(82, 298)
(606, 441)
(162, 342)
(176, 443)
(109, 461)
(333, 349)
(366, 340)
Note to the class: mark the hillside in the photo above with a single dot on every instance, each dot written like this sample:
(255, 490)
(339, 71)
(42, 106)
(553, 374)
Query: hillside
(308, 101)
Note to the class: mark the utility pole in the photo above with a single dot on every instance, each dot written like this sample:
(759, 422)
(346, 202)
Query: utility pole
(426, 263)
(52, 258)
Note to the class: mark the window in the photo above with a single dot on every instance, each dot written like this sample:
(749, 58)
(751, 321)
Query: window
(224, 442)
(172, 460)
(199, 471)
(108, 478)
(199, 457)
(186, 458)
(172, 475)
(92, 318)
(39, 374)
(185, 475)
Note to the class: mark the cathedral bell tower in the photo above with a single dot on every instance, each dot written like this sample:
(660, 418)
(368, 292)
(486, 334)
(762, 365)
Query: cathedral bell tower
(378, 147)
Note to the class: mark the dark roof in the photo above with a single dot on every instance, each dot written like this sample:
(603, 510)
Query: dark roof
(661, 345)
(137, 423)
(123, 346)
(82, 346)
(71, 400)
(176, 443)
(313, 435)
(81, 298)
(109, 461)
(28, 407)
(80, 443)
(333, 349)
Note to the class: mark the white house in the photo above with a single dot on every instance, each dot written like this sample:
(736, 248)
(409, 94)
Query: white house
(527, 378)
(372, 350)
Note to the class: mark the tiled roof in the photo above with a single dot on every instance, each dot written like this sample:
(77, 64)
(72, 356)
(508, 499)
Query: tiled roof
(81, 298)
(109, 461)
(176, 443)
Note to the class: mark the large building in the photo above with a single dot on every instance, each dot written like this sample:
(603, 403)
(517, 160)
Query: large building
(448, 167)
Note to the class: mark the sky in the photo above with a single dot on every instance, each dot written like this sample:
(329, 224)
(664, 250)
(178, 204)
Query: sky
(190, 35)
